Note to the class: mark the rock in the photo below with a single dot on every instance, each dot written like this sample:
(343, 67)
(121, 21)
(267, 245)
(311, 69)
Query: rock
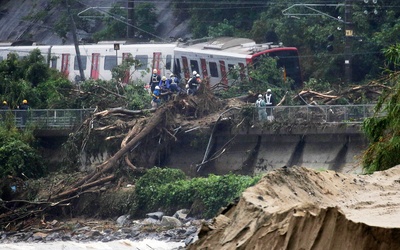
(169, 221)
(94, 233)
(66, 237)
(52, 236)
(149, 221)
(82, 229)
(123, 220)
(181, 214)
(155, 215)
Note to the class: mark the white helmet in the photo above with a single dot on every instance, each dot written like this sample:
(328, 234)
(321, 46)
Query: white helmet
(259, 96)
(164, 78)
(268, 90)
(197, 75)
(155, 71)
(195, 72)
(157, 87)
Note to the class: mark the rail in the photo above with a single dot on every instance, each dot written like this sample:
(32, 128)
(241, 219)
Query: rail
(61, 119)
(321, 113)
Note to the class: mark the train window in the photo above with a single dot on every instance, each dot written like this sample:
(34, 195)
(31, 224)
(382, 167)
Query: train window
(231, 67)
(178, 66)
(143, 59)
(83, 61)
(110, 62)
(168, 62)
(53, 62)
(213, 69)
(194, 65)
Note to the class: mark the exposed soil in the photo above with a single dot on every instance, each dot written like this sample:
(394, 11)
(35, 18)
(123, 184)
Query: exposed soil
(300, 208)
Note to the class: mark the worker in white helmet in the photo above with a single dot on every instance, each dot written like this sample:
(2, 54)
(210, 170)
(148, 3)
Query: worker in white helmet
(270, 103)
(260, 106)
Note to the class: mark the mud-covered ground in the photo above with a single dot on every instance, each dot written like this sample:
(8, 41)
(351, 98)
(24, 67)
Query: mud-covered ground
(300, 208)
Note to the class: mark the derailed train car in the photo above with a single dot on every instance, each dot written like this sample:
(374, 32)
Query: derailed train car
(211, 59)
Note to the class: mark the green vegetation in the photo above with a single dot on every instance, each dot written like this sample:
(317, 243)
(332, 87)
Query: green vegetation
(18, 156)
(27, 78)
(383, 131)
(30, 78)
(264, 75)
(169, 190)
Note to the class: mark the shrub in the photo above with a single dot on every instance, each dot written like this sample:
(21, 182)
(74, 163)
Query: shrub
(168, 190)
(18, 157)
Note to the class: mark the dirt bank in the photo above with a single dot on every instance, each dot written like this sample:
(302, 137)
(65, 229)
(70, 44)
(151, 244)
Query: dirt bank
(300, 208)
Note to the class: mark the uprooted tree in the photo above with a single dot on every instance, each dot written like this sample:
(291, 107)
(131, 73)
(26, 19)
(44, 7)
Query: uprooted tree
(138, 135)
(133, 140)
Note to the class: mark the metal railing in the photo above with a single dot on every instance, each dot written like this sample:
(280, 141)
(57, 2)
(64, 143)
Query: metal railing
(46, 118)
(322, 113)
(68, 118)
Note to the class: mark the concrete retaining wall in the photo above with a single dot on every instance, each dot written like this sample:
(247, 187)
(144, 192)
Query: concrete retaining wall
(249, 154)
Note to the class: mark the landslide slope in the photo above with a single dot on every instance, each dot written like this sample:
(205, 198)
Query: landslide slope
(300, 208)
(35, 20)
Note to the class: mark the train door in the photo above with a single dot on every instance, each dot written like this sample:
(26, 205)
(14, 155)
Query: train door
(185, 67)
(222, 67)
(203, 65)
(156, 61)
(65, 64)
(127, 73)
(242, 71)
(95, 71)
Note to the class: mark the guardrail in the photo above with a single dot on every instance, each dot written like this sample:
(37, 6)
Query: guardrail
(46, 118)
(68, 118)
(322, 113)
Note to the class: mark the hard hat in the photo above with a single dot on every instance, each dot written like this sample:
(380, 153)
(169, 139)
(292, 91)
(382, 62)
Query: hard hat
(259, 96)
(171, 75)
(164, 78)
(155, 71)
(268, 90)
(197, 75)
(194, 72)
(24, 101)
(4, 102)
(157, 87)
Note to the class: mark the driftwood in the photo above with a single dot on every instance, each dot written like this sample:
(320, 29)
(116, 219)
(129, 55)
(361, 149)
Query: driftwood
(354, 94)
(138, 128)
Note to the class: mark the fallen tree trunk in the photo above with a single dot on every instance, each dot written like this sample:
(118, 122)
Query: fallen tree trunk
(83, 187)
(111, 162)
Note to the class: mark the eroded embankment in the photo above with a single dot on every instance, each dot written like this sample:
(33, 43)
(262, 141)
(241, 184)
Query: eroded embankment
(300, 208)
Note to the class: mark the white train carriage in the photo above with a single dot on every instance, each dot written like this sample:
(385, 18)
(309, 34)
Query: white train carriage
(24, 51)
(99, 59)
(214, 59)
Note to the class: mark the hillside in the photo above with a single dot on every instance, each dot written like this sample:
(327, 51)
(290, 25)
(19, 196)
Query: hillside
(34, 19)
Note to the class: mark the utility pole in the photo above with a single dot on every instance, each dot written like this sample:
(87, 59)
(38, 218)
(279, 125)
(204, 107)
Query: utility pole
(78, 54)
(130, 31)
(348, 24)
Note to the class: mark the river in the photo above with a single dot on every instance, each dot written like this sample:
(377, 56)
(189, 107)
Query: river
(147, 244)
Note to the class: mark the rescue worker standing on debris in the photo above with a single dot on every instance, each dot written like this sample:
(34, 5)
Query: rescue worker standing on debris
(173, 84)
(270, 103)
(155, 100)
(260, 106)
(154, 80)
(194, 84)
(164, 88)
(190, 82)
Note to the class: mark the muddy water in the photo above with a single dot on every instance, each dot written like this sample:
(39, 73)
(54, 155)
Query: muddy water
(147, 244)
